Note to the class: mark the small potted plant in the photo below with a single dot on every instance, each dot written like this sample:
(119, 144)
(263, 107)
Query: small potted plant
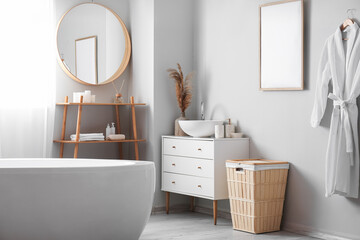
(183, 94)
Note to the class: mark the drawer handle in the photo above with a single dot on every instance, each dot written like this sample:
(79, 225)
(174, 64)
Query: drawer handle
(199, 149)
(173, 182)
(174, 147)
(199, 186)
(173, 164)
(199, 167)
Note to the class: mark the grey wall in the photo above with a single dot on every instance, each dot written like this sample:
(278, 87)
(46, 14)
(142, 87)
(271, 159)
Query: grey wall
(227, 49)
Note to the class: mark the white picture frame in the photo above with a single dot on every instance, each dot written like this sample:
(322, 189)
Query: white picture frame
(282, 45)
(86, 59)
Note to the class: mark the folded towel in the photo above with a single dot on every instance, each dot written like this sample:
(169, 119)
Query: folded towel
(116, 137)
(88, 137)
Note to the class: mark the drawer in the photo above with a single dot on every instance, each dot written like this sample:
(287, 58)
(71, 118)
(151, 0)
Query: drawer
(190, 185)
(188, 148)
(190, 166)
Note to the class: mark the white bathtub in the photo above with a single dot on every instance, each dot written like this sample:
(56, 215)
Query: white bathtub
(74, 199)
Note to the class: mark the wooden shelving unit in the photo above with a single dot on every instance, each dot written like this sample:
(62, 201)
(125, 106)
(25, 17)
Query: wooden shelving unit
(66, 104)
(106, 141)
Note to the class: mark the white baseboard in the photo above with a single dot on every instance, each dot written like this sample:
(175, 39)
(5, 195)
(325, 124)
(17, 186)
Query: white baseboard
(317, 233)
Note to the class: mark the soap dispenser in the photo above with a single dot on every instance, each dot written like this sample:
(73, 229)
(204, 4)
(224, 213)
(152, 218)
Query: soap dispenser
(112, 130)
(229, 128)
(108, 130)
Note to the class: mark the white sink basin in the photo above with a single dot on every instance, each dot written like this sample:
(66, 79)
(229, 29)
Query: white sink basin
(199, 128)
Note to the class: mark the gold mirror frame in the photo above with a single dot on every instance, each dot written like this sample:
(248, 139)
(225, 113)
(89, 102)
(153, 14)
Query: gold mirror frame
(124, 62)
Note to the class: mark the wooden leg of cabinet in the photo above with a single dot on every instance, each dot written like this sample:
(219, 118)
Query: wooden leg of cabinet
(215, 211)
(167, 202)
(192, 204)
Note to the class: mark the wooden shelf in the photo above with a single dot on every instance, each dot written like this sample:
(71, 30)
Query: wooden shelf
(80, 105)
(106, 141)
(101, 104)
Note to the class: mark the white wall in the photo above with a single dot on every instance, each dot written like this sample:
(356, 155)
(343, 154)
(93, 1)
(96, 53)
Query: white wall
(142, 71)
(173, 44)
(219, 39)
(94, 118)
(160, 39)
(227, 50)
(158, 43)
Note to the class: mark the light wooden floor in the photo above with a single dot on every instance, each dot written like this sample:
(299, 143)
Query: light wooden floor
(196, 226)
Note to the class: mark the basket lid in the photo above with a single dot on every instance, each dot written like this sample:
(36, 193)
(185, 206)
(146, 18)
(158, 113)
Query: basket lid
(257, 164)
(256, 161)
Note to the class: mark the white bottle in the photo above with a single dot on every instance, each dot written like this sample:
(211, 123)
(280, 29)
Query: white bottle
(87, 96)
(219, 131)
(108, 130)
(112, 130)
(229, 129)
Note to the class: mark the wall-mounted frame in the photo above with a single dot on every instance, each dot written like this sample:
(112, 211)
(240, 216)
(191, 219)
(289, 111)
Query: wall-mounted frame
(282, 45)
(86, 60)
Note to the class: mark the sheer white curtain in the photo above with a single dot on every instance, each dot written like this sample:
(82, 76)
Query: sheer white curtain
(27, 78)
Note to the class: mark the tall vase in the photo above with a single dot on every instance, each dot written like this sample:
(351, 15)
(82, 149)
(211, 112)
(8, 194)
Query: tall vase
(178, 130)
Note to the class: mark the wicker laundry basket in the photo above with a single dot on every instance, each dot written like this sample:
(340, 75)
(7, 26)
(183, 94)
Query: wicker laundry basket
(256, 192)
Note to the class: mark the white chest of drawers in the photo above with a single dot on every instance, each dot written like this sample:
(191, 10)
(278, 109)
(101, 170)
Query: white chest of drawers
(196, 166)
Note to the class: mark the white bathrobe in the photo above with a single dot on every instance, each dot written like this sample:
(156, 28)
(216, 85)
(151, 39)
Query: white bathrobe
(340, 64)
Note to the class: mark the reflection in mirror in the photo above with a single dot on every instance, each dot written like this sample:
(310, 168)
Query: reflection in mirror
(93, 44)
(85, 59)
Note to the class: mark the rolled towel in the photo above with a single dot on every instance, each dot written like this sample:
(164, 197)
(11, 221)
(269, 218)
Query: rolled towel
(236, 135)
(117, 137)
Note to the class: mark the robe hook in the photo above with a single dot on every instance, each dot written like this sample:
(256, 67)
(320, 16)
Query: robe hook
(350, 11)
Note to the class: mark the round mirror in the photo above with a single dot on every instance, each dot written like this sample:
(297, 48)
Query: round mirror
(93, 44)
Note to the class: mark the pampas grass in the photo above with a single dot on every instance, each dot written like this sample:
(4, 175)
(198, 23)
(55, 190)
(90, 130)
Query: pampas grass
(182, 86)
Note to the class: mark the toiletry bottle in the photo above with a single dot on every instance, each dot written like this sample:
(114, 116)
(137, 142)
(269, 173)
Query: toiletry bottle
(112, 130)
(229, 128)
(108, 130)
(87, 96)
(219, 131)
